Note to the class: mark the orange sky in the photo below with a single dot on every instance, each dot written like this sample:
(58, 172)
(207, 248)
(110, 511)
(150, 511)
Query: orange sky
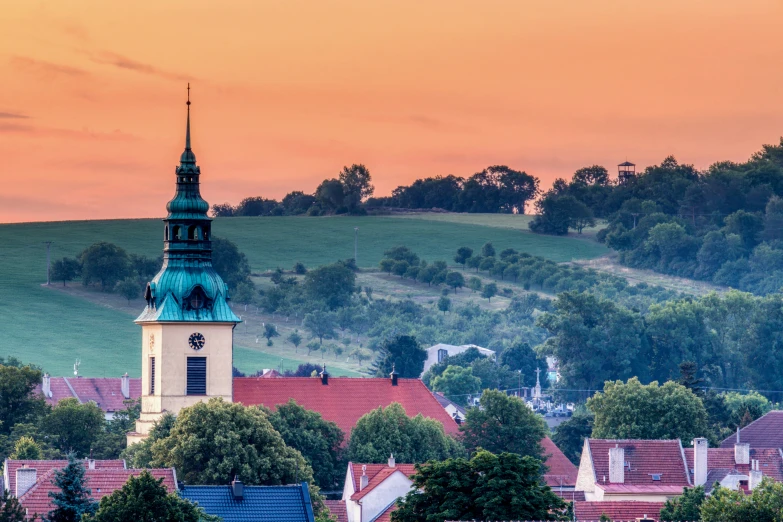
(286, 92)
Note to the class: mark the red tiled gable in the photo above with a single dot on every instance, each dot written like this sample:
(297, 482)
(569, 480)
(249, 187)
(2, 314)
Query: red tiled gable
(337, 509)
(43, 466)
(386, 515)
(770, 461)
(626, 511)
(764, 432)
(105, 392)
(646, 457)
(101, 482)
(376, 473)
(344, 400)
(562, 471)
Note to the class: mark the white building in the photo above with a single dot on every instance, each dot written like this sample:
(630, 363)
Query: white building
(440, 351)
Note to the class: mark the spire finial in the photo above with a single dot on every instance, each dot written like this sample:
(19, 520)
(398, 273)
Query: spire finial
(187, 133)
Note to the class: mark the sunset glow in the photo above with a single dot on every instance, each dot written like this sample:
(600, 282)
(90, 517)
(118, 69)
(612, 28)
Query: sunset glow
(92, 105)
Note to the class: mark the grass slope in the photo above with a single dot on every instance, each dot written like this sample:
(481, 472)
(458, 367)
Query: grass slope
(54, 328)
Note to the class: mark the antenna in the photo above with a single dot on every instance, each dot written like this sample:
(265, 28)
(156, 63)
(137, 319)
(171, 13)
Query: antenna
(76, 367)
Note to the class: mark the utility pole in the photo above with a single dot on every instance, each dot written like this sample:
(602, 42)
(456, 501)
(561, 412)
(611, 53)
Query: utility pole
(356, 246)
(48, 261)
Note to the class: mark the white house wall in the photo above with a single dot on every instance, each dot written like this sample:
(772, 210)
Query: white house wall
(377, 500)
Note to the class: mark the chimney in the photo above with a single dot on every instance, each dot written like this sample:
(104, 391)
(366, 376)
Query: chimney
(237, 489)
(364, 479)
(125, 386)
(755, 475)
(616, 465)
(391, 461)
(90, 463)
(324, 376)
(742, 453)
(700, 451)
(25, 479)
(46, 386)
(393, 375)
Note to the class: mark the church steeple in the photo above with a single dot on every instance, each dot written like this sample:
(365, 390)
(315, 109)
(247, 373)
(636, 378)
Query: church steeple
(187, 275)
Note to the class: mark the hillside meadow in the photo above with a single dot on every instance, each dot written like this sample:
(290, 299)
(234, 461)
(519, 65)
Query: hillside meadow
(54, 328)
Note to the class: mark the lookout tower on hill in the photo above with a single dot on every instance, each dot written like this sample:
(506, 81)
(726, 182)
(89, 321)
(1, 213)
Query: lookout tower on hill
(626, 171)
(187, 325)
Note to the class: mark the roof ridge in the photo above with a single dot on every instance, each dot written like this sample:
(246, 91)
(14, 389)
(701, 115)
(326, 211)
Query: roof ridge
(749, 425)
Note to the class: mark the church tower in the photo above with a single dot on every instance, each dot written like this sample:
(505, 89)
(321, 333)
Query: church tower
(187, 325)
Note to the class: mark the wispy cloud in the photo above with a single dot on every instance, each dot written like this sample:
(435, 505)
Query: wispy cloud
(123, 62)
(12, 116)
(115, 135)
(40, 67)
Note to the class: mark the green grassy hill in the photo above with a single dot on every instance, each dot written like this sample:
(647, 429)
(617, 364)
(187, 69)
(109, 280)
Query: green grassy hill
(53, 328)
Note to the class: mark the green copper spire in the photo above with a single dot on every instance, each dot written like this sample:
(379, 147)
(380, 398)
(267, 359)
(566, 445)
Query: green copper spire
(187, 288)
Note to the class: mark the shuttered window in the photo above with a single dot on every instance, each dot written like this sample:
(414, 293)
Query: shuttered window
(197, 375)
(152, 376)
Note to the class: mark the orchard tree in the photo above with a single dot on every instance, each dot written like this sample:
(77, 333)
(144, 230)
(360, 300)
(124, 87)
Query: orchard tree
(270, 331)
(404, 354)
(295, 339)
(386, 431)
(455, 280)
(214, 442)
(331, 284)
(474, 283)
(318, 440)
(463, 254)
(486, 487)
(503, 423)
(444, 304)
(128, 288)
(489, 291)
(321, 324)
(632, 410)
(487, 250)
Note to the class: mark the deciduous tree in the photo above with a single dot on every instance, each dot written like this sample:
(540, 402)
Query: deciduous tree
(404, 354)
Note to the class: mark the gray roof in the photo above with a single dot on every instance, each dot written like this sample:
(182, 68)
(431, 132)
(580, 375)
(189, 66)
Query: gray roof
(259, 503)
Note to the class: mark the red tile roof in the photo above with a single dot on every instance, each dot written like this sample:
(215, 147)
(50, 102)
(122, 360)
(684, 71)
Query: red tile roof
(625, 511)
(562, 472)
(105, 392)
(770, 461)
(764, 432)
(646, 457)
(569, 495)
(101, 482)
(376, 474)
(43, 466)
(344, 400)
(625, 489)
(337, 509)
(386, 515)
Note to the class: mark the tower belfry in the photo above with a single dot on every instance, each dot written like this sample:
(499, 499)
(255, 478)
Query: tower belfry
(187, 325)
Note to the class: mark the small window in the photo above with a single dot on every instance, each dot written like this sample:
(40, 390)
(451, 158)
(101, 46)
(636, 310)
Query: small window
(193, 233)
(442, 354)
(197, 376)
(152, 376)
(656, 476)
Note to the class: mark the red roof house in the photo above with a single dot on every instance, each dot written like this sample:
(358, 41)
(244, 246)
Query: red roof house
(343, 400)
(562, 472)
(30, 471)
(337, 509)
(642, 470)
(618, 511)
(109, 393)
(764, 432)
(102, 482)
(371, 491)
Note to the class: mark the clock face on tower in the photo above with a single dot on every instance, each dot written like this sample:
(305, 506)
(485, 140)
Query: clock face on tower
(196, 341)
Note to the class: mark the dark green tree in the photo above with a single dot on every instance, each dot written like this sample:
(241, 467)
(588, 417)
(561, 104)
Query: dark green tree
(74, 428)
(404, 354)
(444, 304)
(457, 383)
(763, 505)
(486, 487)
(321, 324)
(330, 194)
(487, 250)
(213, 442)
(318, 440)
(386, 431)
(463, 254)
(357, 185)
(128, 288)
(503, 423)
(72, 498)
(686, 507)
(270, 331)
(229, 262)
(489, 291)
(10, 508)
(631, 410)
(18, 402)
(570, 435)
(331, 284)
(104, 263)
(455, 280)
(65, 269)
(145, 499)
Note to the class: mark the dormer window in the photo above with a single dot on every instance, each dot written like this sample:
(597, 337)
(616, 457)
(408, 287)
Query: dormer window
(197, 299)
